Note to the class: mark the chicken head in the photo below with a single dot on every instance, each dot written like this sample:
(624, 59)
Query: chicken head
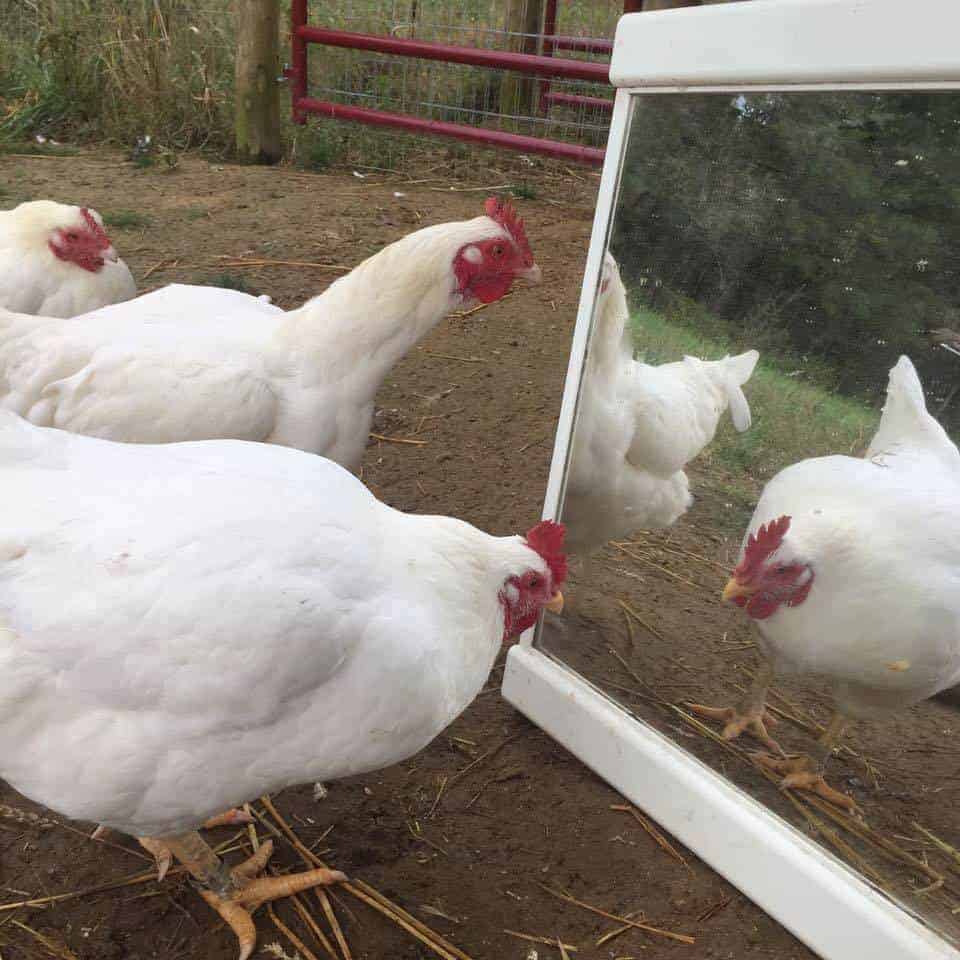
(84, 242)
(523, 596)
(485, 270)
(768, 576)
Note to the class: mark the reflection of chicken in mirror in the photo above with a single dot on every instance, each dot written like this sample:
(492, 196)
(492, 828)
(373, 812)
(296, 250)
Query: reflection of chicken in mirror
(638, 426)
(850, 571)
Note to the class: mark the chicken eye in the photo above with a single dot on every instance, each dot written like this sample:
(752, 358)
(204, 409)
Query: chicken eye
(780, 569)
(73, 235)
(534, 582)
(497, 250)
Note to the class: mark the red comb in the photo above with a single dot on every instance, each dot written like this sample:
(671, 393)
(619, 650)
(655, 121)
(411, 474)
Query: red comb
(547, 539)
(95, 228)
(760, 545)
(503, 213)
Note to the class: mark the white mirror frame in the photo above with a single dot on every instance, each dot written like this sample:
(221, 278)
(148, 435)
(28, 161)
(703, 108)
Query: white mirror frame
(737, 47)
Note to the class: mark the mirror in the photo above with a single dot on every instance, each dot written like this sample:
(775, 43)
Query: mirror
(770, 257)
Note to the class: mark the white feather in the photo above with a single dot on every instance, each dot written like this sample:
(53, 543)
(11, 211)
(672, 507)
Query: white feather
(639, 425)
(185, 627)
(196, 363)
(34, 281)
(882, 535)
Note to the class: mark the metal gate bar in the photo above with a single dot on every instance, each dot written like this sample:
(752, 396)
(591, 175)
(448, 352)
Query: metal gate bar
(459, 131)
(526, 63)
(551, 42)
(577, 100)
(475, 56)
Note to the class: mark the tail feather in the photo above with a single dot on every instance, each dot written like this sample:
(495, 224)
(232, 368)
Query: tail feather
(736, 371)
(905, 423)
(739, 408)
(904, 389)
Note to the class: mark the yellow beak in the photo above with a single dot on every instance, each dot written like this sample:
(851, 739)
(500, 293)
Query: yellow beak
(735, 588)
(555, 604)
(531, 274)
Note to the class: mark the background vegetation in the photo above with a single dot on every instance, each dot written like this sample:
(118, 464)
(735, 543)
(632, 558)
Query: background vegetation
(821, 229)
(115, 70)
(76, 69)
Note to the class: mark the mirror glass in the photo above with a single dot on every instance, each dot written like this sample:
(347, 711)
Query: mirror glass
(770, 258)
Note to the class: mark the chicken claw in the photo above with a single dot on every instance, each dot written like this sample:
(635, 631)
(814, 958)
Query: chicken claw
(237, 906)
(162, 855)
(236, 893)
(229, 818)
(805, 773)
(736, 720)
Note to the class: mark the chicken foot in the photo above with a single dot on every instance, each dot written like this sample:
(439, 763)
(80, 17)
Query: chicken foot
(162, 856)
(236, 893)
(805, 772)
(750, 714)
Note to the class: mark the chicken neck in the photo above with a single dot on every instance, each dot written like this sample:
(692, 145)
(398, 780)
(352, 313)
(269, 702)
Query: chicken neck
(366, 321)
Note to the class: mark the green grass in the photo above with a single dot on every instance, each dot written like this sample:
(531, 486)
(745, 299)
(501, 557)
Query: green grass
(126, 219)
(82, 69)
(793, 418)
(524, 191)
(229, 281)
(317, 150)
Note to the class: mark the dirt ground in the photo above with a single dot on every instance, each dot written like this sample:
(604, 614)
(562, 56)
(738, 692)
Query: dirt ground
(465, 835)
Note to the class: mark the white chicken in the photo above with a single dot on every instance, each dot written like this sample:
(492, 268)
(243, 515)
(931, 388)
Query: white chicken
(130, 575)
(57, 261)
(850, 570)
(198, 363)
(638, 425)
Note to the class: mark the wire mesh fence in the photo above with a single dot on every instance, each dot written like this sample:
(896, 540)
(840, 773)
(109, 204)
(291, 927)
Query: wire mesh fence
(464, 94)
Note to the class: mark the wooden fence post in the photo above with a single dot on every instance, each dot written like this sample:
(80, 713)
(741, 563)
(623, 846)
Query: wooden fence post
(524, 19)
(257, 95)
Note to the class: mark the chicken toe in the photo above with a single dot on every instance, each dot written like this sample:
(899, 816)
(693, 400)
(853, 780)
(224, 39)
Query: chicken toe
(161, 854)
(236, 893)
(163, 857)
(805, 773)
(229, 818)
(237, 907)
(754, 720)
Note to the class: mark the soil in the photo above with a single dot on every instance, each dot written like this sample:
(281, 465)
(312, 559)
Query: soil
(466, 834)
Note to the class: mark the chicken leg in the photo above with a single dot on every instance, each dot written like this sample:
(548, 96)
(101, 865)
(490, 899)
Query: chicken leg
(163, 857)
(750, 714)
(236, 893)
(579, 572)
(806, 772)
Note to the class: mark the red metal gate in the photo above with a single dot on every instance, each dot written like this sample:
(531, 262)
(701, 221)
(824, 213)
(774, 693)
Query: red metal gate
(552, 42)
(547, 66)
